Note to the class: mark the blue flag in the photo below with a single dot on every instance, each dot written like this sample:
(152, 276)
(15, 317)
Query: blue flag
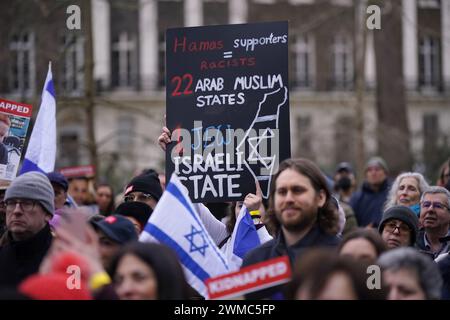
(41, 151)
(243, 239)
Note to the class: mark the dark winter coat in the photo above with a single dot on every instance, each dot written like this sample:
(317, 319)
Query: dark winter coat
(277, 247)
(368, 204)
(19, 259)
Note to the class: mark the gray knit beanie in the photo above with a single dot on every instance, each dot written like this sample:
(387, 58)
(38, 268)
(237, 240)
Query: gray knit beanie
(378, 162)
(403, 214)
(35, 186)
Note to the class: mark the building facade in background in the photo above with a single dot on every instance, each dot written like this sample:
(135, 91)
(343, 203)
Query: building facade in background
(129, 50)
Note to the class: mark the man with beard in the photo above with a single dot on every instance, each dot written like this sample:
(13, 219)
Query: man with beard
(300, 213)
(435, 219)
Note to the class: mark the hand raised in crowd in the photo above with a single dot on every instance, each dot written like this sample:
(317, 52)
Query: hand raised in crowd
(254, 201)
(67, 242)
(164, 138)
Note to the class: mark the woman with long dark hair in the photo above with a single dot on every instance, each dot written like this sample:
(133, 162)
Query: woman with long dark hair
(148, 271)
(104, 198)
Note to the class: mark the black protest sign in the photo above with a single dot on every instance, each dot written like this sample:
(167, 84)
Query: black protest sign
(227, 107)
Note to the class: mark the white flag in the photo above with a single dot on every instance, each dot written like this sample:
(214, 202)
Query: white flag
(41, 151)
(175, 223)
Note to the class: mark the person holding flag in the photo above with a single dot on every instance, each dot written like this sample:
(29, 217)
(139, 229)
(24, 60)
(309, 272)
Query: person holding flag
(247, 235)
(181, 225)
(244, 231)
(29, 200)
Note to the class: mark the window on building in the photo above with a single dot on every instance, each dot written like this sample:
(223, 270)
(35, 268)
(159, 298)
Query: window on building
(22, 64)
(162, 59)
(343, 3)
(170, 15)
(344, 136)
(69, 149)
(305, 137)
(342, 62)
(429, 4)
(429, 62)
(126, 132)
(215, 12)
(305, 62)
(430, 127)
(264, 1)
(124, 60)
(72, 77)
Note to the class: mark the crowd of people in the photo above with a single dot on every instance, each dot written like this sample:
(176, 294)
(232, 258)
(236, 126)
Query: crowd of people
(333, 233)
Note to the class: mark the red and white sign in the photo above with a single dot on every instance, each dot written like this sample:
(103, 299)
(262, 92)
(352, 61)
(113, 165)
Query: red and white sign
(15, 108)
(15, 119)
(252, 278)
(78, 172)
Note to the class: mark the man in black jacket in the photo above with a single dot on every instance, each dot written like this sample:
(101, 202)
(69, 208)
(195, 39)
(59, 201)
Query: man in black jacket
(301, 214)
(368, 202)
(29, 204)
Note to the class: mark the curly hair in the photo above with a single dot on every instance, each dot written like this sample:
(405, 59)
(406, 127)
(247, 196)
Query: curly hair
(327, 217)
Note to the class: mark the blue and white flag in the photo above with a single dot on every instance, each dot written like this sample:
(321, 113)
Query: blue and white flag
(41, 151)
(243, 239)
(175, 223)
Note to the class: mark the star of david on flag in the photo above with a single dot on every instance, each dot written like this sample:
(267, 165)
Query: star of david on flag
(176, 223)
(194, 237)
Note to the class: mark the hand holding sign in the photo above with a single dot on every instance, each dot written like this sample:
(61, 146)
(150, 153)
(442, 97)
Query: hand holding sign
(254, 201)
(227, 108)
(164, 138)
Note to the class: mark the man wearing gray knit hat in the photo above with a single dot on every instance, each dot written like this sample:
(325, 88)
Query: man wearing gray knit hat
(29, 202)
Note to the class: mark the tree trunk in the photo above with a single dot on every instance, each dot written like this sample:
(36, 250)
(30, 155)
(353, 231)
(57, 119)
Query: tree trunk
(89, 88)
(360, 53)
(393, 131)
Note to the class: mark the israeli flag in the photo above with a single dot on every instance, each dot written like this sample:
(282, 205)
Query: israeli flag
(175, 223)
(41, 151)
(243, 239)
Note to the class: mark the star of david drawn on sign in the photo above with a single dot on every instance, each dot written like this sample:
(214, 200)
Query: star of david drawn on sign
(196, 234)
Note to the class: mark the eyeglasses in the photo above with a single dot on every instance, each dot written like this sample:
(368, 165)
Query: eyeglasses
(391, 226)
(26, 205)
(137, 197)
(437, 205)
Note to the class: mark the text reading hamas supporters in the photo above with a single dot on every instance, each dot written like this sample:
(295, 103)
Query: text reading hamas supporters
(227, 107)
